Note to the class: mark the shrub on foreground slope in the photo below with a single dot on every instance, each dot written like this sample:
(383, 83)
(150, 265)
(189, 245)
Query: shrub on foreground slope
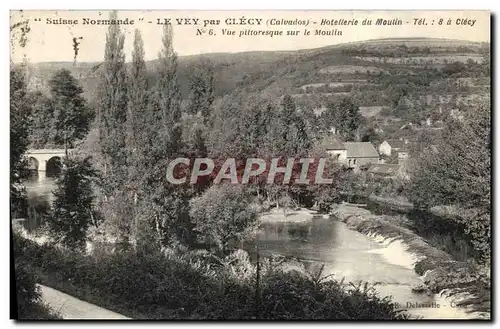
(197, 286)
(29, 303)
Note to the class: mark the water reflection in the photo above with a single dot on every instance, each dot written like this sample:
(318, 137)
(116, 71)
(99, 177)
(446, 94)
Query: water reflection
(345, 253)
(39, 187)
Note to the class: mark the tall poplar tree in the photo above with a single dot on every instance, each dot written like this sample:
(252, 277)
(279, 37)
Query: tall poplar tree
(168, 93)
(137, 94)
(138, 130)
(167, 204)
(112, 108)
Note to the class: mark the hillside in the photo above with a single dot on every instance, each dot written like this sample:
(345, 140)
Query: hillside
(256, 68)
(394, 81)
(230, 70)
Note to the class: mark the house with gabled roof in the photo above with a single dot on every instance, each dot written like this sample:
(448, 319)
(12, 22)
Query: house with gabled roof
(388, 146)
(351, 154)
(360, 153)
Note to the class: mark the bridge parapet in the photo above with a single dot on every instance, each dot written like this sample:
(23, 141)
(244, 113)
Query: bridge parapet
(48, 151)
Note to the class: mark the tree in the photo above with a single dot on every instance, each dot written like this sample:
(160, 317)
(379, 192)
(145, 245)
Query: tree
(312, 122)
(289, 132)
(137, 94)
(241, 126)
(345, 117)
(457, 171)
(20, 126)
(201, 94)
(73, 211)
(166, 203)
(223, 215)
(44, 132)
(167, 90)
(72, 116)
(112, 108)
(137, 124)
(111, 122)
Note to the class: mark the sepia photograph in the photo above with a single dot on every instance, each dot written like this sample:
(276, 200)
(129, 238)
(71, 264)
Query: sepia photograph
(250, 165)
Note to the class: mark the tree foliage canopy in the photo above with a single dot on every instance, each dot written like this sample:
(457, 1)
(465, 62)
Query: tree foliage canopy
(223, 214)
(20, 127)
(457, 171)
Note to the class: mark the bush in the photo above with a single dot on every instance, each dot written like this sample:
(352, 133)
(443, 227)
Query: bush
(26, 290)
(194, 286)
(29, 302)
(223, 215)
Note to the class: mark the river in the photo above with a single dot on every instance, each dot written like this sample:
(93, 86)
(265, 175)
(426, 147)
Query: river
(39, 185)
(345, 253)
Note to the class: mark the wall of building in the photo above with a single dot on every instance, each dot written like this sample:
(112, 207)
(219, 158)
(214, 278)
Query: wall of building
(339, 155)
(384, 149)
(358, 162)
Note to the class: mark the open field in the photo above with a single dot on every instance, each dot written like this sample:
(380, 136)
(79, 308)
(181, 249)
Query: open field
(351, 69)
(423, 60)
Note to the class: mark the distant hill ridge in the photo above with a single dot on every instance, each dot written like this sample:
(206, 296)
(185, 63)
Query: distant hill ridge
(254, 68)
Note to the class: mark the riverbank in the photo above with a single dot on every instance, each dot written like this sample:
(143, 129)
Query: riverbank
(460, 285)
(300, 216)
(401, 202)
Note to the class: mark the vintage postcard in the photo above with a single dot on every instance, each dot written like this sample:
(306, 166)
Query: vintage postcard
(250, 165)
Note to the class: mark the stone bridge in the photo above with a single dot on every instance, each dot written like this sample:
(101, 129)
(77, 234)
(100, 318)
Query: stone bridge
(45, 158)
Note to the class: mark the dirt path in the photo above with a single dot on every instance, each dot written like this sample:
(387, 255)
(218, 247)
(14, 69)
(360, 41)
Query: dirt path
(73, 308)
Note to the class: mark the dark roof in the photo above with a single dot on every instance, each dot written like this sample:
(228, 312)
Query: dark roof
(384, 169)
(396, 144)
(360, 150)
(332, 143)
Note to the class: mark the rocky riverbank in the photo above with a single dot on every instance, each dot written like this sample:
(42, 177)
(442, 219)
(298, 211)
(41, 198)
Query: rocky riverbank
(461, 285)
(394, 202)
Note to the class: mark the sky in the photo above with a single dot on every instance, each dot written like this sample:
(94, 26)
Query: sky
(54, 42)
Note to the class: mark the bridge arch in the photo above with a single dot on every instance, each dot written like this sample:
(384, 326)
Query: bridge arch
(33, 163)
(53, 167)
